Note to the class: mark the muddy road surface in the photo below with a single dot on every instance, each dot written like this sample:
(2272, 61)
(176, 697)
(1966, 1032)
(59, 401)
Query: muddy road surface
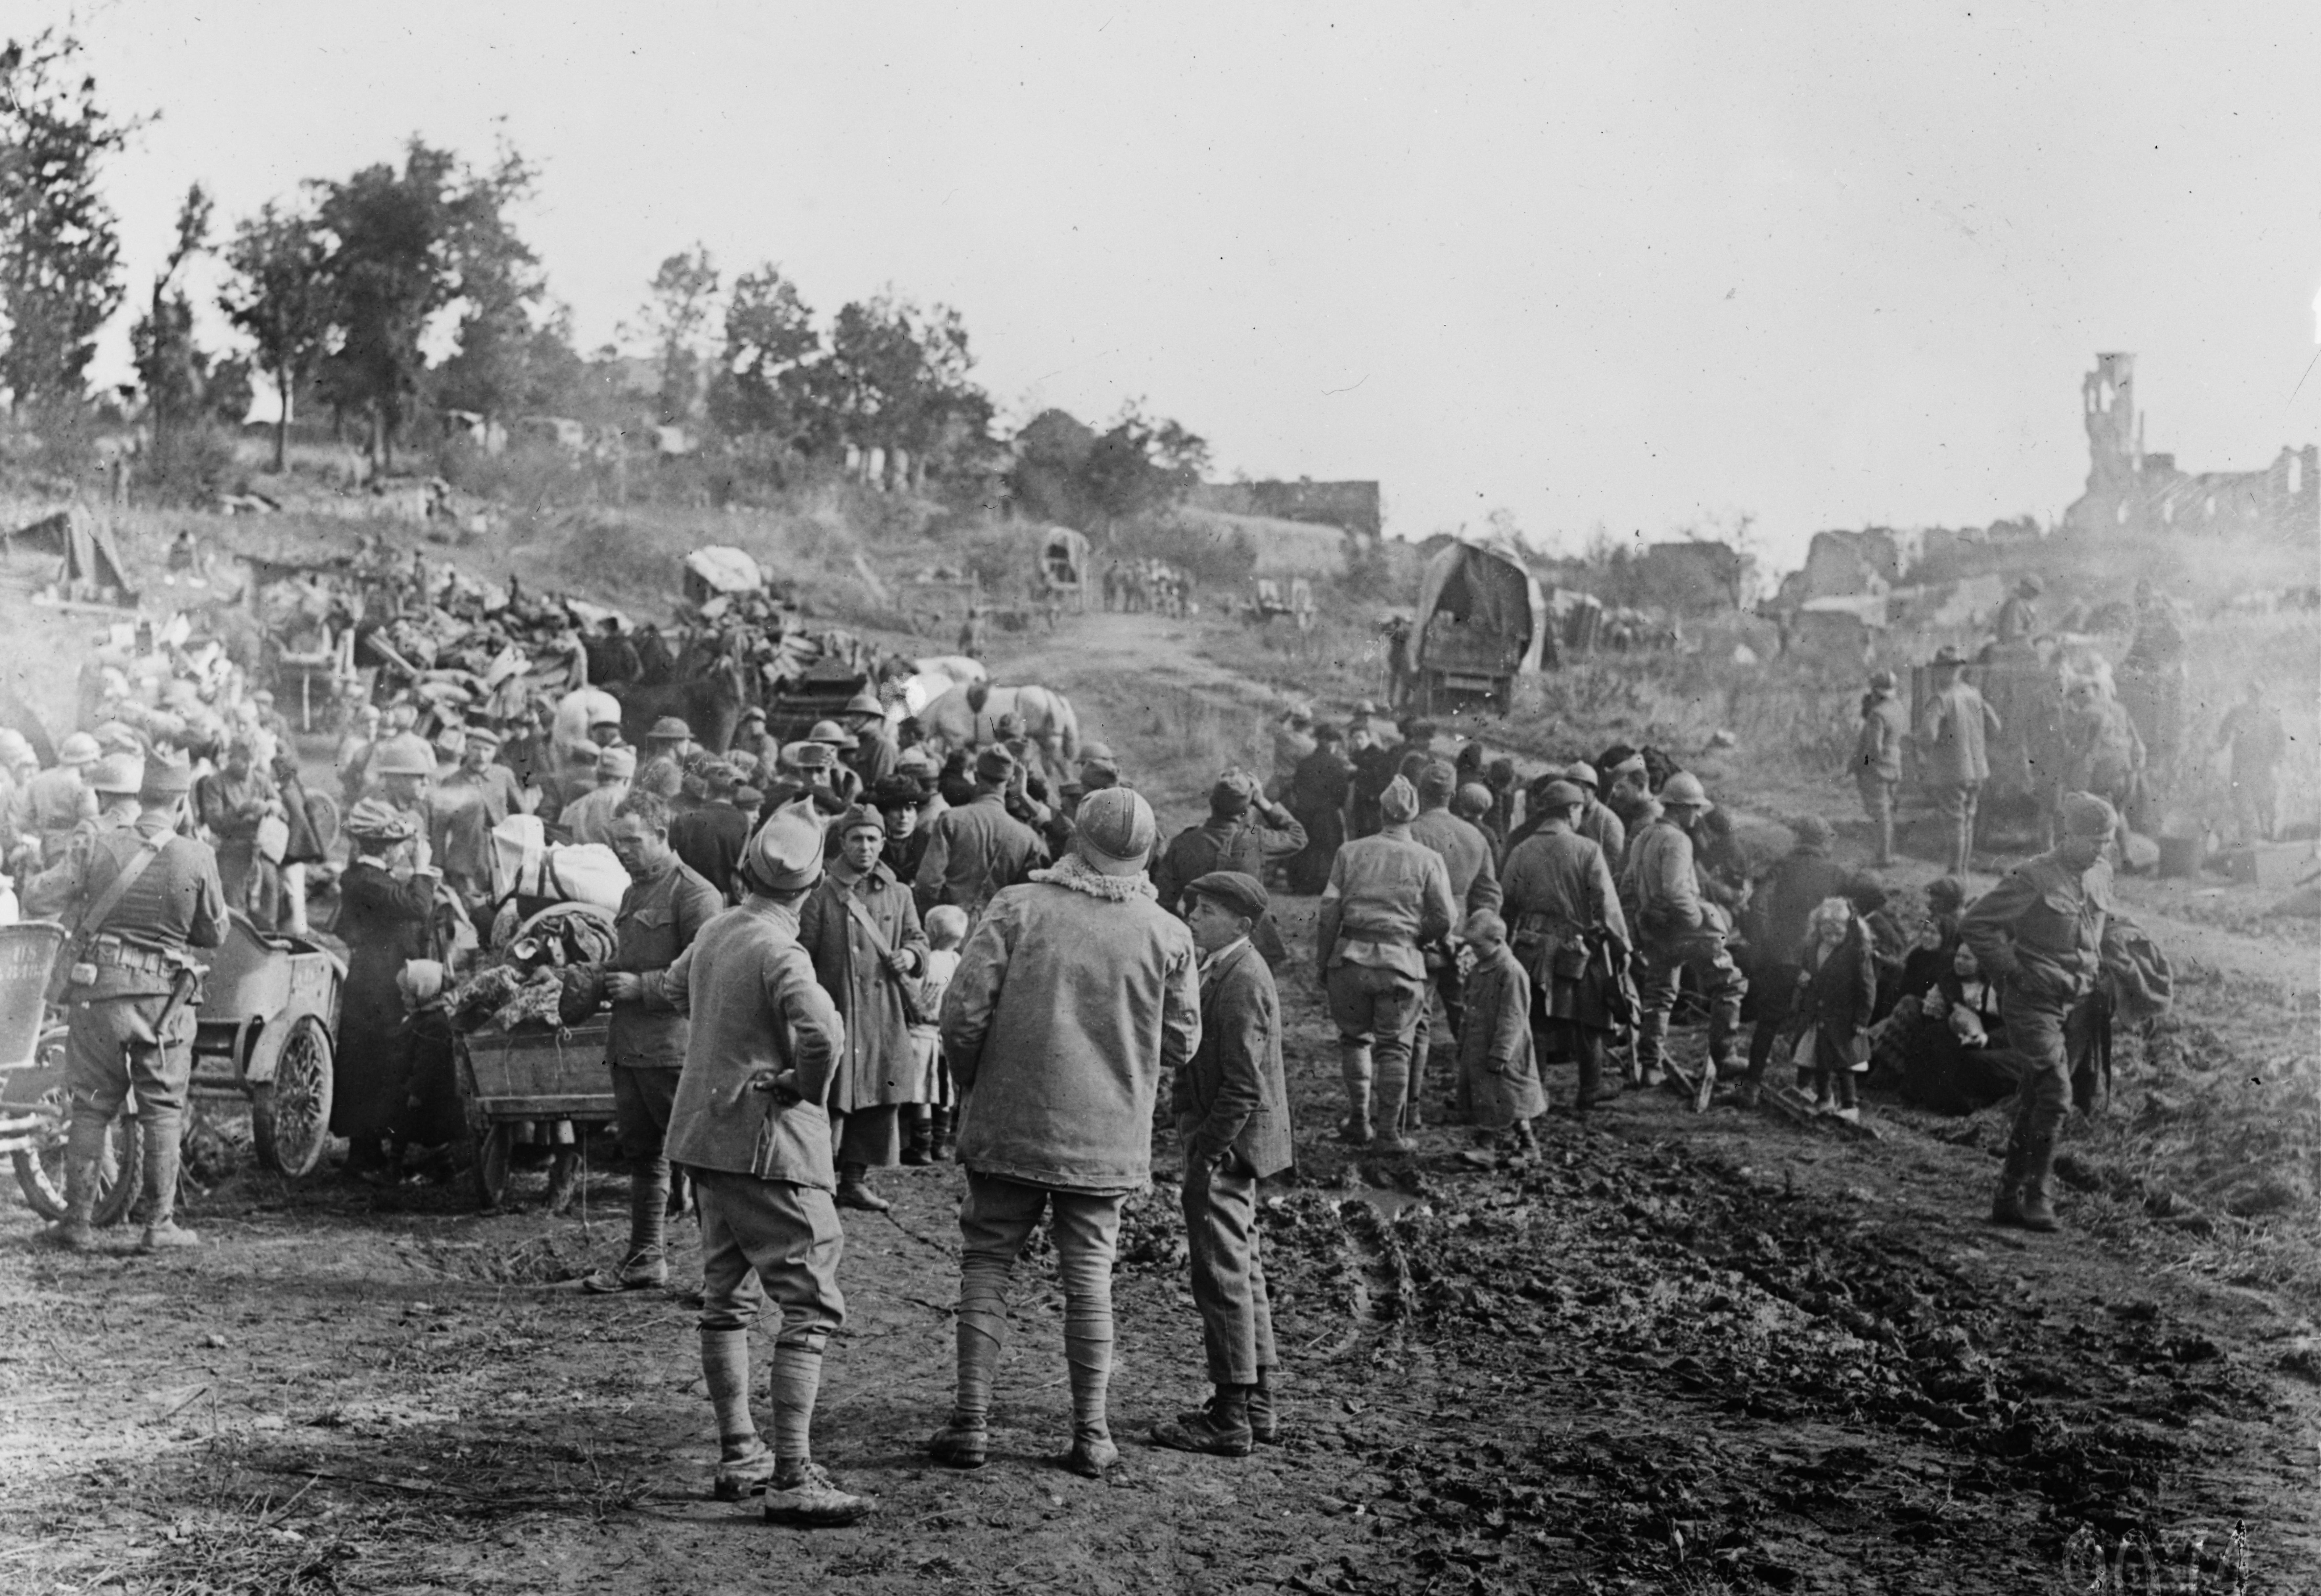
(1677, 1353)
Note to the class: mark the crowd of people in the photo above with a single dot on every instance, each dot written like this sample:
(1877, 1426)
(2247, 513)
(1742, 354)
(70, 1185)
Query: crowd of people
(838, 955)
(1147, 585)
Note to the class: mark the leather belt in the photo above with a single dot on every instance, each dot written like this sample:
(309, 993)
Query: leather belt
(123, 955)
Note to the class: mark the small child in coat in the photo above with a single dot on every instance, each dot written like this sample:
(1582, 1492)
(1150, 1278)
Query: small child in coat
(1837, 989)
(933, 1118)
(1497, 1066)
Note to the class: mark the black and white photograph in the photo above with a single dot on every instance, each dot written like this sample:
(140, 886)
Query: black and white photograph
(1460, 800)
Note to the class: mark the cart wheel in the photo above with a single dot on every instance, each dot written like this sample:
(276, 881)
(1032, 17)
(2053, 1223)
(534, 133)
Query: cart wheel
(563, 1179)
(494, 1145)
(290, 1116)
(41, 1171)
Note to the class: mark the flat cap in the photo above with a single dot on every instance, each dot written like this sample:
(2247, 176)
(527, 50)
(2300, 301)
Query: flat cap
(1561, 794)
(1240, 893)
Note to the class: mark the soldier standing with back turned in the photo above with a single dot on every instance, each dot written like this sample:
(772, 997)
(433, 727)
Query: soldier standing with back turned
(144, 898)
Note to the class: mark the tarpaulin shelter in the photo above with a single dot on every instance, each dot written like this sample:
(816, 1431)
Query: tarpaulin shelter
(720, 568)
(1064, 565)
(1482, 622)
(92, 569)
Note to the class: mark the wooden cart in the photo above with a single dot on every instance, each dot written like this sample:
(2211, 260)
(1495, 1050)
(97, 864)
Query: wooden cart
(534, 1086)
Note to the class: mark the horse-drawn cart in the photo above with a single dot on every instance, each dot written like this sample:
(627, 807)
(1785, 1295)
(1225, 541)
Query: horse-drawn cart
(534, 1086)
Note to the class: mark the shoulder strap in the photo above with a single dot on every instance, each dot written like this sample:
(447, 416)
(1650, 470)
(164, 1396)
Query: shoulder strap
(148, 850)
(861, 917)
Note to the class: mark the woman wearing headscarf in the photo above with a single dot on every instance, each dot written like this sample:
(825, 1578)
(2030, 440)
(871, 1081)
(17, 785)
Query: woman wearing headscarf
(383, 921)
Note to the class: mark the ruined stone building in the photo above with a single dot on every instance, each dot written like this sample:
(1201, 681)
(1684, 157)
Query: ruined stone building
(2130, 489)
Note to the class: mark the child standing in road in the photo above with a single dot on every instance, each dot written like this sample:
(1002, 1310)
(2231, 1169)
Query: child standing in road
(930, 1116)
(1836, 990)
(1496, 1065)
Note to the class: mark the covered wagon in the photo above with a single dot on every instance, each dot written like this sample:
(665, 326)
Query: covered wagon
(1482, 621)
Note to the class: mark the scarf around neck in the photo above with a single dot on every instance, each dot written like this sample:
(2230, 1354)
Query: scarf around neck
(1074, 874)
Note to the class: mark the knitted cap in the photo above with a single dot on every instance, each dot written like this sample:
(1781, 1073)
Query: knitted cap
(861, 817)
(1114, 830)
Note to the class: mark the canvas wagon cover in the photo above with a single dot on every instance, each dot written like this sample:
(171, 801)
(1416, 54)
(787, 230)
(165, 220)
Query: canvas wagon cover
(1494, 587)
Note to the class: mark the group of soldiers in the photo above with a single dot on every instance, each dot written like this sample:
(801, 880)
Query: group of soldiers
(1149, 584)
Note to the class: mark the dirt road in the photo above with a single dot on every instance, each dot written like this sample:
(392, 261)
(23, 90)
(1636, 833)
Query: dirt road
(1681, 1353)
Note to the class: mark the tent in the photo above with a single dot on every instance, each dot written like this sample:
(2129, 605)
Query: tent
(92, 567)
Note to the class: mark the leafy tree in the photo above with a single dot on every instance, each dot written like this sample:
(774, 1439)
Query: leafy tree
(389, 270)
(683, 293)
(1141, 465)
(172, 369)
(1045, 478)
(897, 378)
(495, 280)
(760, 387)
(279, 298)
(59, 248)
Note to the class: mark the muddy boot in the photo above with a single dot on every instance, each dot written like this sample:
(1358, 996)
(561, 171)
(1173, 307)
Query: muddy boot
(1354, 1069)
(744, 1462)
(1092, 1451)
(162, 1231)
(2038, 1166)
(919, 1145)
(646, 1265)
(1392, 1105)
(1220, 1427)
(77, 1229)
(2007, 1203)
(804, 1496)
(945, 1128)
(963, 1441)
(1264, 1410)
(854, 1190)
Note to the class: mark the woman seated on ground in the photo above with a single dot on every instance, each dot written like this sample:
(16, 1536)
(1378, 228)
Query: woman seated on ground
(1945, 1048)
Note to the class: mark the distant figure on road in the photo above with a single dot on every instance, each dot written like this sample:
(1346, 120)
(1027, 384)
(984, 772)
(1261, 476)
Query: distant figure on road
(2254, 731)
(2018, 617)
(1878, 759)
(1953, 732)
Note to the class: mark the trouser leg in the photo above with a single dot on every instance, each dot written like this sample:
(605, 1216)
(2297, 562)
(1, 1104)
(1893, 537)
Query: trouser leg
(1396, 1005)
(1228, 1286)
(994, 1220)
(160, 1074)
(1775, 998)
(1656, 989)
(1724, 985)
(642, 1099)
(1350, 1010)
(773, 1238)
(1586, 1049)
(1087, 1234)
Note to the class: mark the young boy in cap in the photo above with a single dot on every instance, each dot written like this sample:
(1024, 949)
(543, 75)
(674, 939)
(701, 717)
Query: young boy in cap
(1232, 1108)
(1496, 1065)
(749, 1121)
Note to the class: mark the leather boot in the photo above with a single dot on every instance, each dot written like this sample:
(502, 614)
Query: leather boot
(161, 1155)
(854, 1190)
(646, 1265)
(1392, 1105)
(2038, 1172)
(77, 1229)
(1355, 1068)
(945, 1130)
(918, 1147)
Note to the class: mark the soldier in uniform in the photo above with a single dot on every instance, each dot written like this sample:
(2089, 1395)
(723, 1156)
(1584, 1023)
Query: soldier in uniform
(1244, 832)
(1466, 858)
(1953, 732)
(2040, 932)
(749, 1121)
(1678, 930)
(1388, 896)
(115, 779)
(1878, 758)
(1569, 935)
(976, 849)
(2018, 617)
(874, 755)
(56, 800)
(145, 896)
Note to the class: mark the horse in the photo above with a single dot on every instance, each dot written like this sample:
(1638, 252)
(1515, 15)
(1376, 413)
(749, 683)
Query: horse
(709, 698)
(962, 718)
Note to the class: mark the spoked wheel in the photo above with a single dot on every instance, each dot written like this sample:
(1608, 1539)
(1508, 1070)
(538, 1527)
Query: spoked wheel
(41, 1171)
(290, 1116)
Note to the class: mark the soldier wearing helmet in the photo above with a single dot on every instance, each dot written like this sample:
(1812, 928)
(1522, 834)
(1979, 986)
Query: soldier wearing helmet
(55, 801)
(2040, 934)
(1677, 929)
(875, 752)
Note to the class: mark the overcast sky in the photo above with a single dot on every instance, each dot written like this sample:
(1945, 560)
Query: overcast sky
(1632, 264)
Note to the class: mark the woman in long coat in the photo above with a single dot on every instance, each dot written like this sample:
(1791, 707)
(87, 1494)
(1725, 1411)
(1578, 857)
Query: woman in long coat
(383, 921)
(864, 969)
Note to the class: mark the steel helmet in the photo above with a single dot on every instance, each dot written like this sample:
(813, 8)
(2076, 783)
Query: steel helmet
(1684, 791)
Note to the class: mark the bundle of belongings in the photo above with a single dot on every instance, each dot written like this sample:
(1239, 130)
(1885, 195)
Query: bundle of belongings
(554, 918)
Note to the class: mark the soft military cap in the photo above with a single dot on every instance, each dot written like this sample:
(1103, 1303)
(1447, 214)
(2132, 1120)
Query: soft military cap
(785, 854)
(1399, 804)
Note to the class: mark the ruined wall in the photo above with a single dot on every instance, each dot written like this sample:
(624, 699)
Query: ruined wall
(2132, 490)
